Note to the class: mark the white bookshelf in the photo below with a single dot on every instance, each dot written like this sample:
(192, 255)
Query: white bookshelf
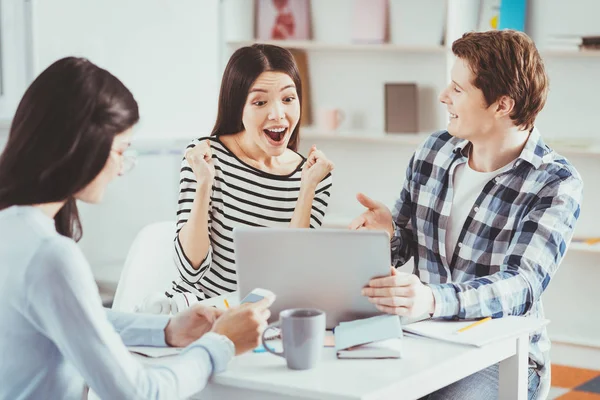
(310, 45)
(341, 221)
(586, 248)
(351, 77)
(576, 147)
(566, 53)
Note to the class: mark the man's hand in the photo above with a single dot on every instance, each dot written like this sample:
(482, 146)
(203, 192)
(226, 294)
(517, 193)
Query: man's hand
(245, 324)
(400, 294)
(189, 325)
(377, 216)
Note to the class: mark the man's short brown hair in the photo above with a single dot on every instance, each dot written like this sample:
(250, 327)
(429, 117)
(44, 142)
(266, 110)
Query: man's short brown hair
(506, 63)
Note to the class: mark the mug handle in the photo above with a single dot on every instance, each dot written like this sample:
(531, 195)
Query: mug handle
(340, 117)
(264, 342)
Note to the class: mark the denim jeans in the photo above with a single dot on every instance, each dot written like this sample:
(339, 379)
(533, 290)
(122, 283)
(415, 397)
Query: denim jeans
(482, 385)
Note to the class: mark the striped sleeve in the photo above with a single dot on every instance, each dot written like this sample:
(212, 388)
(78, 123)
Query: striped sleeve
(187, 192)
(320, 202)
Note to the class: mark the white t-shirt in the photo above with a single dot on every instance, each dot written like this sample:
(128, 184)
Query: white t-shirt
(467, 186)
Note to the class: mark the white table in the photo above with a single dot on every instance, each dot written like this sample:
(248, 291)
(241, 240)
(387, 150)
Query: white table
(427, 365)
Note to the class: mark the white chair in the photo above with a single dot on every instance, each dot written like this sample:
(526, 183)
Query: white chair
(149, 268)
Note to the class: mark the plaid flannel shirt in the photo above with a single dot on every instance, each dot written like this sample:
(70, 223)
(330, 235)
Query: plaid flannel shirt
(511, 244)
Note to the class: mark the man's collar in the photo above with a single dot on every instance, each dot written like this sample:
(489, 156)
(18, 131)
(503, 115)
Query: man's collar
(535, 149)
(533, 152)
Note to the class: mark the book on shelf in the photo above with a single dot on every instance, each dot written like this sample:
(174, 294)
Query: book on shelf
(590, 241)
(512, 15)
(370, 21)
(574, 42)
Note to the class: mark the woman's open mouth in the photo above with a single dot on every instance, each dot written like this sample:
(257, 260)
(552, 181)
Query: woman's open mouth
(276, 135)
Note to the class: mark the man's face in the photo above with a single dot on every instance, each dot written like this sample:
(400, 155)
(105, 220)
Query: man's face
(470, 117)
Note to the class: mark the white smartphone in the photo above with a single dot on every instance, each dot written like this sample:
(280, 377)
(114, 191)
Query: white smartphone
(258, 294)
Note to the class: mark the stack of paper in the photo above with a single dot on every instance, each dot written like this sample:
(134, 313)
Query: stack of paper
(480, 335)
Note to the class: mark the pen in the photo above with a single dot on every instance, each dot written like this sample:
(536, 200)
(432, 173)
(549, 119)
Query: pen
(481, 321)
(226, 303)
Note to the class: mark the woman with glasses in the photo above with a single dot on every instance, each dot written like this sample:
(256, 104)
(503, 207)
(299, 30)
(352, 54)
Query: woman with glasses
(129, 161)
(69, 138)
(247, 173)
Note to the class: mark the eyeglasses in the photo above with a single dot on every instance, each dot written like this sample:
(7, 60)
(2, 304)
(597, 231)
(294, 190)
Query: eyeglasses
(129, 160)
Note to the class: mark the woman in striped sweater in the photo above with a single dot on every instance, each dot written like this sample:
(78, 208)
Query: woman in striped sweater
(247, 173)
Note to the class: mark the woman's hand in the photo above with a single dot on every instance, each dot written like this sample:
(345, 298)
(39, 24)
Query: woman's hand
(187, 326)
(245, 324)
(201, 162)
(315, 169)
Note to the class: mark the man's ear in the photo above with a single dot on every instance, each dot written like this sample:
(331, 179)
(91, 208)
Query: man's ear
(504, 106)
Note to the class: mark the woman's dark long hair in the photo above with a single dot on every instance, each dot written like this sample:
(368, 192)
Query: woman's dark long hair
(243, 68)
(61, 137)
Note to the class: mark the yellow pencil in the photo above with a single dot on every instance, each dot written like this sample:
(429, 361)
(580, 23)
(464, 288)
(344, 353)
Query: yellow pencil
(226, 303)
(481, 321)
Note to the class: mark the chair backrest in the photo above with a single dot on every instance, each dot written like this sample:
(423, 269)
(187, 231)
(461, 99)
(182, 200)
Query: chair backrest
(149, 267)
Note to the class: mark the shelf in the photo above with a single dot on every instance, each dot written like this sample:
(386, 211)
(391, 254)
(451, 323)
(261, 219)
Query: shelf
(400, 138)
(320, 46)
(590, 148)
(339, 221)
(582, 147)
(310, 45)
(588, 248)
(569, 53)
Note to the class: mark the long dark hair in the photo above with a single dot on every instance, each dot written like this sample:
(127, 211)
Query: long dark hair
(61, 137)
(243, 68)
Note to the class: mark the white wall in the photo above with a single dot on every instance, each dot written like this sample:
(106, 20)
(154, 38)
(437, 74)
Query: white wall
(15, 36)
(166, 53)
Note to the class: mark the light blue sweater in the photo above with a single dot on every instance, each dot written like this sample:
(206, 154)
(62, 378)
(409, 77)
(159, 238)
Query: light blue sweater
(55, 336)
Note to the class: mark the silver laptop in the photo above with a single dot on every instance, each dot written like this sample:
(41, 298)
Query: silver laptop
(324, 268)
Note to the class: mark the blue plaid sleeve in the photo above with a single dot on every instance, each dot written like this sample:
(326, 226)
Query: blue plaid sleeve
(402, 244)
(533, 256)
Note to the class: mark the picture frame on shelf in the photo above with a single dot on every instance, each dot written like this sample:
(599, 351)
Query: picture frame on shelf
(283, 20)
(401, 113)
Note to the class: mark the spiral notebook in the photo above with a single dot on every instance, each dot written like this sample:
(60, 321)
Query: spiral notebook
(376, 337)
(390, 348)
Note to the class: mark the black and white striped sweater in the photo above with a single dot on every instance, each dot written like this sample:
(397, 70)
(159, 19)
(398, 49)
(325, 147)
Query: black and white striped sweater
(241, 196)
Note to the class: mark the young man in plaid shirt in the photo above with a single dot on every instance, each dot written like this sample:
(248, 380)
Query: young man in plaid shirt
(487, 209)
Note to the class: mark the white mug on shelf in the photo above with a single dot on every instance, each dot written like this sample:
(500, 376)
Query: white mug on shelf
(331, 118)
